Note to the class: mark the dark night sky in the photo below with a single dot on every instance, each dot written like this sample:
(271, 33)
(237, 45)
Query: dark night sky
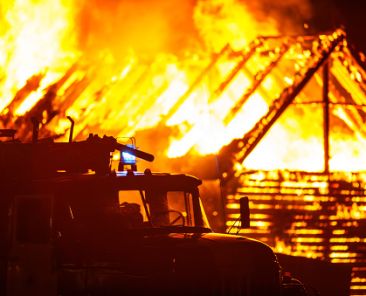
(331, 14)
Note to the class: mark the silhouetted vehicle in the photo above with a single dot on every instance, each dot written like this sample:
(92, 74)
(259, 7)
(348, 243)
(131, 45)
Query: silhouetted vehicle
(71, 226)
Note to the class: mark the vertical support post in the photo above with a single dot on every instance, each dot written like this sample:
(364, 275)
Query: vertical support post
(326, 115)
(326, 125)
(35, 123)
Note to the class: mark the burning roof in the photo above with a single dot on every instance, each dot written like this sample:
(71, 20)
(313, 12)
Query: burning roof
(324, 86)
(211, 99)
(206, 97)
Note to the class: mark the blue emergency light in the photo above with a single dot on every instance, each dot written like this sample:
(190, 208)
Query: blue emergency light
(126, 157)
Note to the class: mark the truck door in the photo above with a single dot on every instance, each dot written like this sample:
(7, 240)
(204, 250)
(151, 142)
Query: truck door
(31, 266)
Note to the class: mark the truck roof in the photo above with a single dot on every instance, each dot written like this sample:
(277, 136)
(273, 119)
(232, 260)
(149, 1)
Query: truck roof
(125, 180)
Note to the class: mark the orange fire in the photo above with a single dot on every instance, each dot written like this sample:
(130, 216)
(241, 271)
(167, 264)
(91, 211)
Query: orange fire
(107, 93)
(36, 39)
(120, 95)
(194, 67)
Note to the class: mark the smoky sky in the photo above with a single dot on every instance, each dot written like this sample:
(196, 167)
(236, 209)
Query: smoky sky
(148, 26)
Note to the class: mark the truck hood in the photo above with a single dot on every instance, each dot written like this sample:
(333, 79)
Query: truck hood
(186, 261)
(227, 251)
(207, 252)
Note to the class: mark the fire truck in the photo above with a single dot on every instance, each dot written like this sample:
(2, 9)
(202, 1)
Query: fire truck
(71, 225)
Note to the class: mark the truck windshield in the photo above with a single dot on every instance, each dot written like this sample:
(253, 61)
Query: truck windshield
(159, 209)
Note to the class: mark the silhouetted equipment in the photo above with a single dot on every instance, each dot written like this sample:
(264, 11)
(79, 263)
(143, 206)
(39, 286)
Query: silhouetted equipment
(69, 225)
(35, 123)
(71, 128)
(127, 159)
(40, 159)
(244, 212)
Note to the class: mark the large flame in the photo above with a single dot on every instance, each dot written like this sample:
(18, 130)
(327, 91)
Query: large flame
(124, 75)
(100, 78)
(37, 40)
(192, 67)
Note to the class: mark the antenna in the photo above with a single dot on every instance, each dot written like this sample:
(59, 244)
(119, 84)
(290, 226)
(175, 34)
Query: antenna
(71, 128)
(35, 123)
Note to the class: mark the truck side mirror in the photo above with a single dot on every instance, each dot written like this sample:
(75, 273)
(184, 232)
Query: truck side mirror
(244, 212)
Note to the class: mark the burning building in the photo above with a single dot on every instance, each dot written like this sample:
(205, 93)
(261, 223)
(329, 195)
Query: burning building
(283, 115)
(314, 206)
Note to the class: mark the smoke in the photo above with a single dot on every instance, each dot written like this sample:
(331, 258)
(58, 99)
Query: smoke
(150, 27)
(146, 26)
(289, 15)
(238, 22)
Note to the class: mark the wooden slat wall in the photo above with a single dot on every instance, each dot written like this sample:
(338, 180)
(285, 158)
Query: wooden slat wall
(311, 215)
